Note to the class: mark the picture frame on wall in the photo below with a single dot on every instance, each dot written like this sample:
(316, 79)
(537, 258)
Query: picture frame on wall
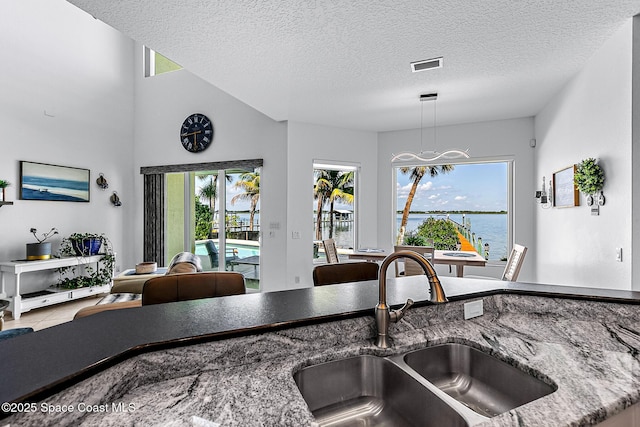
(565, 192)
(41, 181)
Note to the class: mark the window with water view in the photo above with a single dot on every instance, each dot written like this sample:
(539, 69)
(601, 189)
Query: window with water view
(334, 216)
(457, 206)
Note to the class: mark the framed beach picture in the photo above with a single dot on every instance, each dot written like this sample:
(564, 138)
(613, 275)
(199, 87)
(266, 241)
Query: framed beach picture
(39, 181)
(565, 192)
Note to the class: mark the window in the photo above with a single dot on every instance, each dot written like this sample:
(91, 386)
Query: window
(155, 63)
(334, 195)
(473, 198)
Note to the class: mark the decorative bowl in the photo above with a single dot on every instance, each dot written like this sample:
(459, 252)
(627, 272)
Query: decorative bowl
(146, 267)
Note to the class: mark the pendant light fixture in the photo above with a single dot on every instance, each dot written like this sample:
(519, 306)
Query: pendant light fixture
(430, 156)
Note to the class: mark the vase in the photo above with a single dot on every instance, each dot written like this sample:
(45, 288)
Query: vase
(87, 247)
(2, 195)
(37, 251)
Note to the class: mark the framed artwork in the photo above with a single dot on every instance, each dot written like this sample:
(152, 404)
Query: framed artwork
(39, 181)
(565, 192)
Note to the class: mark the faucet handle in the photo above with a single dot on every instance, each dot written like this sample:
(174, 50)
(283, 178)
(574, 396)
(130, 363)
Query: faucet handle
(398, 314)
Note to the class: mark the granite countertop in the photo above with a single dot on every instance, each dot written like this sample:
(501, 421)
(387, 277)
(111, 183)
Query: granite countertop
(587, 347)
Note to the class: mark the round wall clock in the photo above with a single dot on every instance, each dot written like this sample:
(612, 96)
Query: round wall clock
(196, 133)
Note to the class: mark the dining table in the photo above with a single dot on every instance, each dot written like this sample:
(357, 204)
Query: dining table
(459, 259)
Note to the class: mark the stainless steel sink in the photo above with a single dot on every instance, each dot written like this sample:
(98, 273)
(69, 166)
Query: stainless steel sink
(371, 391)
(482, 382)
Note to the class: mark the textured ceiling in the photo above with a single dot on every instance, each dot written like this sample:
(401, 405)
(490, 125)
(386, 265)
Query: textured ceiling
(346, 63)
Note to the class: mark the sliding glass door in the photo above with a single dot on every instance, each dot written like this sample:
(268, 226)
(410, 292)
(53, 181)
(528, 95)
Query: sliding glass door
(216, 212)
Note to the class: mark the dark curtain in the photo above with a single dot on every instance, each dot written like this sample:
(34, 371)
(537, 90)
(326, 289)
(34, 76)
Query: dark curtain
(154, 218)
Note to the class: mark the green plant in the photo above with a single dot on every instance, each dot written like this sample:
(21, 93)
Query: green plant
(443, 233)
(4, 183)
(589, 176)
(101, 275)
(203, 221)
(45, 236)
(414, 239)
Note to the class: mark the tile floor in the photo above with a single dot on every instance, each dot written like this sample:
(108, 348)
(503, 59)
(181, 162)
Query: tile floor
(45, 317)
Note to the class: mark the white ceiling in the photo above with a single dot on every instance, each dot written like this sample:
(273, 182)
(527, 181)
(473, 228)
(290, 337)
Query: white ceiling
(346, 63)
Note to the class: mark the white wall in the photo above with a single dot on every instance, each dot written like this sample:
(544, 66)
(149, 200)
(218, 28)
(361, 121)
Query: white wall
(635, 157)
(288, 150)
(590, 117)
(502, 138)
(240, 132)
(59, 60)
(307, 143)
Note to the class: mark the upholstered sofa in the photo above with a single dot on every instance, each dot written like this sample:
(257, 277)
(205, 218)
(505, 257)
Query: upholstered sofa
(176, 287)
(184, 280)
(183, 262)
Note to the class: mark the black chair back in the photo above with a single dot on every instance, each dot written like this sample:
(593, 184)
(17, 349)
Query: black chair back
(329, 274)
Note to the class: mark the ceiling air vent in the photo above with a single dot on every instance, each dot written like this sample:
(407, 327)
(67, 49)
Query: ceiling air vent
(427, 64)
(429, 96)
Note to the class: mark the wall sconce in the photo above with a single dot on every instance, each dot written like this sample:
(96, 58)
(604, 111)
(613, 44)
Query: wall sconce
(115, 199)
(543, 197)
(102, 182)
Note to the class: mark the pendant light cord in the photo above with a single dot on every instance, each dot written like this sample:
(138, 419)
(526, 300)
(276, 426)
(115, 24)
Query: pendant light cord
(421, 126)
(435, 155)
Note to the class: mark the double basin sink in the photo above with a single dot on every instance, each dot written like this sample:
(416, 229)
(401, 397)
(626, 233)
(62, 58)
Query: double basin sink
(444, 385)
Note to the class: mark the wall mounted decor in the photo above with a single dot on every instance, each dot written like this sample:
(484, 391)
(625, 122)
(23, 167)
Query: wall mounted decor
(589, 178)
(543, 197)
(115, 200)
(102, 182)
(565, 193)
(196, 133)
(39, 181)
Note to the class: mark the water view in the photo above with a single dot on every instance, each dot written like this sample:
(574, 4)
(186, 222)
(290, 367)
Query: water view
(492, 228)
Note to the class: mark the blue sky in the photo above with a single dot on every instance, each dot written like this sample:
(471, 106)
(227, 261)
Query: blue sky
(477, 187)
(239, 205)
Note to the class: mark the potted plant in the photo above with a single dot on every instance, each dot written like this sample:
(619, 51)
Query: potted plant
(87, 244)
(589, 178)
(3, 184)
(42, 249)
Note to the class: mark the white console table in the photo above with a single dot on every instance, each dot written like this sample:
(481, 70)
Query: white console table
(20, 303)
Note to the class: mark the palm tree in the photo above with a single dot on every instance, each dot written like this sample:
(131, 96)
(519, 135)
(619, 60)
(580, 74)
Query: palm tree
(209, 191)
(319, 194)
(250, 183)
(332, 186)
(416, 175)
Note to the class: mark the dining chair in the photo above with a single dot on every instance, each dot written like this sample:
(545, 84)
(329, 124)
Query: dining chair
(412, 268)
(330, 250)
(514, 263)
(513, 266)
(331, 274)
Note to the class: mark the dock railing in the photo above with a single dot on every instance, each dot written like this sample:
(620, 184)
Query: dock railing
(468, 239)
